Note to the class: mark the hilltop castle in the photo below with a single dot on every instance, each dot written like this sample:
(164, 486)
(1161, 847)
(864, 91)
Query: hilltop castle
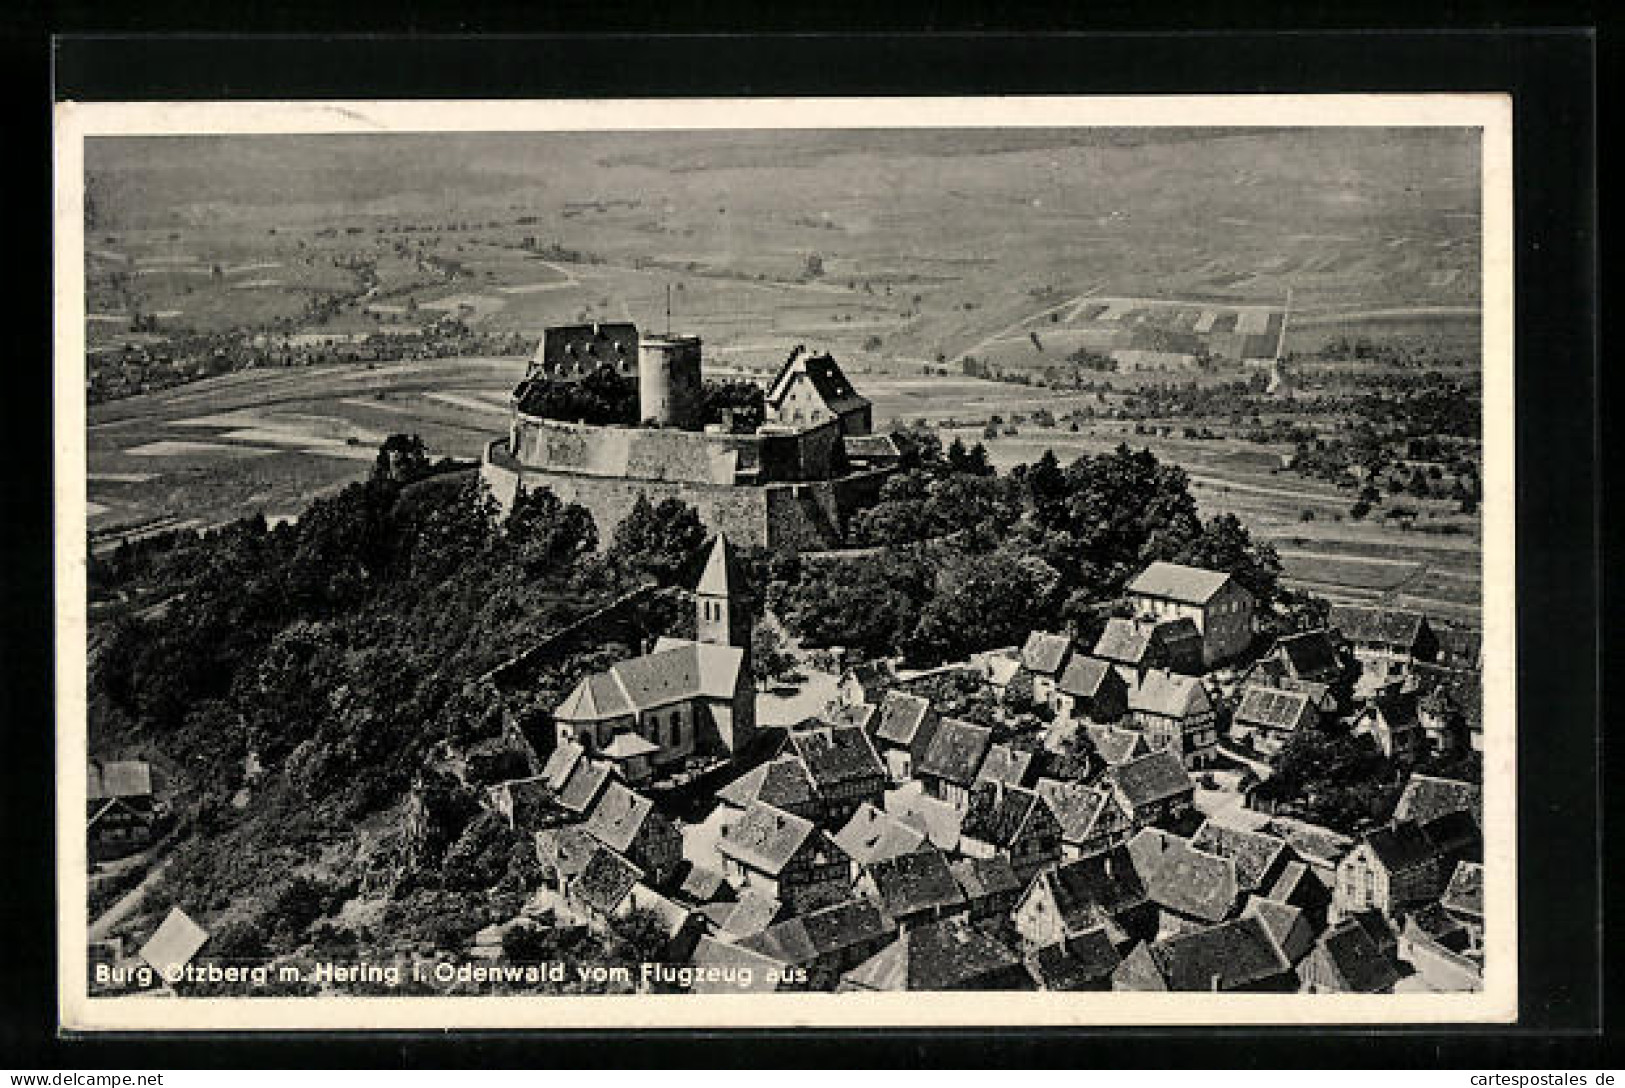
(790, 482)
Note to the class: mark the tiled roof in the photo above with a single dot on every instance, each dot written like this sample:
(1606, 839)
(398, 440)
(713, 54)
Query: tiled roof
(1254, 853)
(1084, 676)
(1453, 833)
(1004, 764)
(946, 955)
(1183, 879)
(872, 835)
(1226, 956)
(910, 883)
(982, 878)
(700, 884)
(1360, 967)
(1286, 924)
(1385, 626)
(1045, 653)
(901, 716)
(752, 913)
(868, 446)
(1168, 695)
(561, 762)
(1116, 745)
(838, 756)
(1400, 845)
(1428, 797)
(1092, 891)
(939, 820)
(618, 817)
(1273, 708)
(1152, 778)
(765, 837)
(998, 814)
(1310, 841)
(956, 752)
(1176, 582)
(1176, 632)
(1075, 963)
(711, 952)
(1077, 808)
(121, 778)
(628, 745)
(807, 938)
(783, 783)
(695, 670)
(825, 376)
(606, 880)
(583, 786)
(1123, 642)
(1310, 655)
(596, 698)
(1465, 894)
(1398, 709)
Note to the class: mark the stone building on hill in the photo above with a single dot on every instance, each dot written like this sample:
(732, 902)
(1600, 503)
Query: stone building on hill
(1219, 606)
(791, 482)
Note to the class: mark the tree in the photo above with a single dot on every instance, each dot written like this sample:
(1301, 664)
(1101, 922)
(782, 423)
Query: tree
(402, 459)
(658, 541)
(770, 661)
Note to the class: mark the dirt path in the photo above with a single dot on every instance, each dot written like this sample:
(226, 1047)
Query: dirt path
(1018, 326)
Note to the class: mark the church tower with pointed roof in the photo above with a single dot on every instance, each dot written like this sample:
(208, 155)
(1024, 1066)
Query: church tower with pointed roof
(721, 615)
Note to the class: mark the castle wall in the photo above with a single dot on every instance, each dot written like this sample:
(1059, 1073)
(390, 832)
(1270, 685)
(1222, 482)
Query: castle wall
(805, 517)
(690, 456)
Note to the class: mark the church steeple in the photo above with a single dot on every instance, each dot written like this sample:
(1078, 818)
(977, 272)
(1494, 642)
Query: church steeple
(721, 615)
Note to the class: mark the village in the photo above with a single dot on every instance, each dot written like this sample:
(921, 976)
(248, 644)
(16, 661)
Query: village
(1117, 817)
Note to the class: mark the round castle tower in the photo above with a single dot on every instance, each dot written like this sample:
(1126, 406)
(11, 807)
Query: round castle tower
(669, 381)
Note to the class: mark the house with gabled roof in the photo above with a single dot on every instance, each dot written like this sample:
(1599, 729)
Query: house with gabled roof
(1012, 823)
(913, 888)
(810, 391)
(1044, 657)
(1116, 746)
(1260, 858)
(1402, 865)
(1176, 713)
(783, 782)
(1081, 963)
(845, 770)
(951, 762)
(990, 886)
(1393, 723)
(871, 835)
(864, 716)
(904, 728)
(1091, 690)
(1463, 900)
(122, 810)
(937, 820)
(1426, 797)
(1345, 960)
(1266, 718)
(1388, 642)
(1215, 601)
(1236, 956)
(1007, 765)
(587, 779)
(1305, 657)
(1291, 926)
(1091, 819)
(1153, 788)
(602, 889)
(947, 955)
(735, 919)
(826, 942)
(1190, 887)
(628, 823)
(783, 857)
(1130, 647)
(562, 852)
(1100, 892)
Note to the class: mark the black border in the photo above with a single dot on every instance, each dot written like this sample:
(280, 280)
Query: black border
(1551, 74)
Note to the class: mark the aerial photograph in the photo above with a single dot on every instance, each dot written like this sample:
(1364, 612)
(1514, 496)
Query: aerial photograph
(782, 561)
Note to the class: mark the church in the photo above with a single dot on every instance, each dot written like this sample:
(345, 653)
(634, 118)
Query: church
(686, 698)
